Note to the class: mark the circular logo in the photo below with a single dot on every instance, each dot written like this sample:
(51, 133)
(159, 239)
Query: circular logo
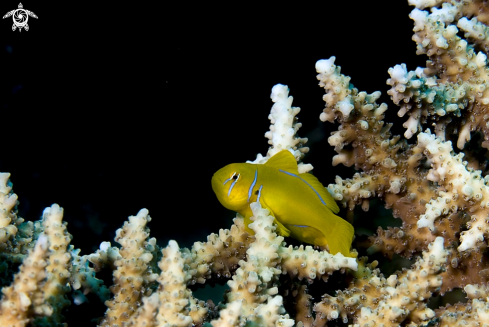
(20, 17)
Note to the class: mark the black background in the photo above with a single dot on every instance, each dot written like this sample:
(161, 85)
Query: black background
(107, 109)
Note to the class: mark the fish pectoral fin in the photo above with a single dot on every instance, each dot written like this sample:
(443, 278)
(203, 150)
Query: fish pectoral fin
(248, 221)
(307, 234)
(281, 229)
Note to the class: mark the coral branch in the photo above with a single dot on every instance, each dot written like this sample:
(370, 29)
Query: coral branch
(388, 302)
(16, 305)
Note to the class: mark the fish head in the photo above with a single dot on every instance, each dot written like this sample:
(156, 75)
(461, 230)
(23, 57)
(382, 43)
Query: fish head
(231, 185)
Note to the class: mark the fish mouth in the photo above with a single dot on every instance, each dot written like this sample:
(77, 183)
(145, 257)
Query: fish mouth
(216, 178)
(216, 183)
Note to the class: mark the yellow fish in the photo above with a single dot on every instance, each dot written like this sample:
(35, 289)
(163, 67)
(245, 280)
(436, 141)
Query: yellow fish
(302, 207)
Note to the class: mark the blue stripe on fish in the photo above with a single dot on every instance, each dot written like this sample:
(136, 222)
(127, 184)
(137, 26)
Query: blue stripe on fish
(227, 180)
(252, 185)
(231, 187)
(312, 188)
(259, 194)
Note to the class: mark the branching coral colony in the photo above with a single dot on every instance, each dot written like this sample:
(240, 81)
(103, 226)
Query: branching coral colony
(442, 198)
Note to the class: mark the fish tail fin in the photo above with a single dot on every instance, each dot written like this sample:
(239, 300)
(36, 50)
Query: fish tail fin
(340, 237)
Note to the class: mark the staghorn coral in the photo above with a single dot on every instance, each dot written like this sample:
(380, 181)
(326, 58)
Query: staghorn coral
(141, 297)
(438, 191)
(132, 274)
(379, 301)
(283, 129)
(16, 305)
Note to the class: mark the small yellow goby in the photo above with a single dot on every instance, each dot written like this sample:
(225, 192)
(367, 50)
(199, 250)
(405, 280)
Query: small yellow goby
(302, 207)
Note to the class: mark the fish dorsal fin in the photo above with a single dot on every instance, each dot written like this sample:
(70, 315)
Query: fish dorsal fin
(321, 191)
(283, 160)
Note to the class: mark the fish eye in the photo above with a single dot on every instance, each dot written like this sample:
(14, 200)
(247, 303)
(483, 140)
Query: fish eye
(234, 177)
